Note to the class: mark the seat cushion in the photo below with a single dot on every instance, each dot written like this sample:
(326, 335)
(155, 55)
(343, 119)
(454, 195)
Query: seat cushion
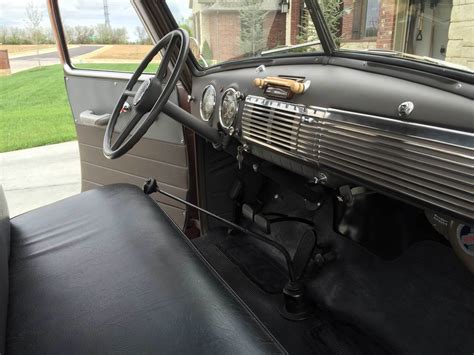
(106, 271)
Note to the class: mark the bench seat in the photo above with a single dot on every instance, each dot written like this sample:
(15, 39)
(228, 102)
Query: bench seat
(106, 271)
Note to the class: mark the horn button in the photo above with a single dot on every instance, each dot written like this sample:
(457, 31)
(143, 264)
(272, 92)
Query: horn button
(147, 94)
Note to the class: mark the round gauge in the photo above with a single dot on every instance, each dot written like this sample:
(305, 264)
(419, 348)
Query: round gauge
(229, 108)
(208, 102)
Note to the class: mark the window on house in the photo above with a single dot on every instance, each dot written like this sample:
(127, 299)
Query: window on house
(371, 20)
(366, 14)
(228, 30)
(435, 31)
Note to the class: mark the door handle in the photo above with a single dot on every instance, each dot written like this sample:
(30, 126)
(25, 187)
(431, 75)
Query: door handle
(89, 118)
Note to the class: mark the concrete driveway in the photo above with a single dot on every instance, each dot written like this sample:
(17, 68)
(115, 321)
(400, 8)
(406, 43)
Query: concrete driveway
(28, 61)
(39, 176)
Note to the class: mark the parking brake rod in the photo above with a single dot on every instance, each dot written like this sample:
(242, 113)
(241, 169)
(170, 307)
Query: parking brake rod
(151, 186)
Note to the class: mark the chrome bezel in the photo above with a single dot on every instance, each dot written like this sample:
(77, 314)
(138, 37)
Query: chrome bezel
(202, 99)
(220, 107)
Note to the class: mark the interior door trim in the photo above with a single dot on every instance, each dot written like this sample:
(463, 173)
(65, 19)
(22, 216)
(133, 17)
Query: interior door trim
(101, 74)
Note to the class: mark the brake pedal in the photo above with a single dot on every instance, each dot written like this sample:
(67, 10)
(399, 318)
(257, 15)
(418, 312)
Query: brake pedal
(260, 221)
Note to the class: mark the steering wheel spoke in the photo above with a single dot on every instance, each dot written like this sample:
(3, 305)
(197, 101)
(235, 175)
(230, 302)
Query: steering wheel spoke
(166, 59)
(129, 93)
(150, 97)
(136, 116)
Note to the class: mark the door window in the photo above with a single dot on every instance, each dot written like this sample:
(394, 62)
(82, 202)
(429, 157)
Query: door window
(105, 35)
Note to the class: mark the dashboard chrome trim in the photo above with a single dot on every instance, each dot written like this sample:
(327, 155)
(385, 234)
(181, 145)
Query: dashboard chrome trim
(410, 129)
(431, 164)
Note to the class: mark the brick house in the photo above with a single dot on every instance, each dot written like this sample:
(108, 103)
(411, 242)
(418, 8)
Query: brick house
(218, 22)
(461, 34)
(446, 31)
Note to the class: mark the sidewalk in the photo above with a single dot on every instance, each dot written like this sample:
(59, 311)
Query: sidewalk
(49, 56)
(39, 176)
(17, 64)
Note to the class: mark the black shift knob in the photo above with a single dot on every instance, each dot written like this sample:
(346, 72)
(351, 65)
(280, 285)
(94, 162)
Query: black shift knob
(150, 186)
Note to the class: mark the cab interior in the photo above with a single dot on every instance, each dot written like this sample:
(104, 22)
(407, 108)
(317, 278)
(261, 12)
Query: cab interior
(318, 209)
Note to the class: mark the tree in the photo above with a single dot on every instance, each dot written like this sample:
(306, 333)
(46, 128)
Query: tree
(119, 35)
(3, 35)
(48, 36)
(332, 11)
(108, 35)
(252, 37)
(16, 35)
(103, 34)
(68, 33)
(207, 52)
(142, 35)
(82, 35)
(187, 28)
(34, 17)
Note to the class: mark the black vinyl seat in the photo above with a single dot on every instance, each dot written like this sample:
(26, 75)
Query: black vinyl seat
(106, 271)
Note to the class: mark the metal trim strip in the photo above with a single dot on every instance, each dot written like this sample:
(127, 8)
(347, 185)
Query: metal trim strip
(432, 164)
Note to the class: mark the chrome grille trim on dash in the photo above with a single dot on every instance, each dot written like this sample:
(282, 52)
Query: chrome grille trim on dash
(280, 126)
(430, 164)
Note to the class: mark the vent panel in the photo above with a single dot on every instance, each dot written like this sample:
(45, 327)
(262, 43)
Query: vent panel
(427, 163)
(272, 123)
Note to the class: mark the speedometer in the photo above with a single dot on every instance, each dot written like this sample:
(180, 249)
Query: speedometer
(208, 102)
(229, 107)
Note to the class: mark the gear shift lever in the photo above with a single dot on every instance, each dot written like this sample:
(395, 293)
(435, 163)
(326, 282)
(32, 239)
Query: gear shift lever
(151, 186)
(296, 306)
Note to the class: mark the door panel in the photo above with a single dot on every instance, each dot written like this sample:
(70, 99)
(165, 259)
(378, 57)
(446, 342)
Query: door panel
(161, 153)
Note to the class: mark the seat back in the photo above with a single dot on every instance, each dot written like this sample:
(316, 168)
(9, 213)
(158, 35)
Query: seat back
(4, 255)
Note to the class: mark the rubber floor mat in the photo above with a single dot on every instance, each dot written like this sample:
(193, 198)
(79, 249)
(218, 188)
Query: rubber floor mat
(338, 338)
(256, 265)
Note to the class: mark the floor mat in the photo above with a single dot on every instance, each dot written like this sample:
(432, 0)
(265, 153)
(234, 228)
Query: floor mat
(257, 265)
(320, 334)
(417, 303)
(339, 338)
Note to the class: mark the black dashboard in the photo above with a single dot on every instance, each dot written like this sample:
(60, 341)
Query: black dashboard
(405, 139)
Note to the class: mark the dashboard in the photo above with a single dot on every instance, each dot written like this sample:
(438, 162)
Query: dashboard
(399, 137)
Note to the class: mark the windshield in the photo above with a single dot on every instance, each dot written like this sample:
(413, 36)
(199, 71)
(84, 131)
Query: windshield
(226, 30)
(435, 31)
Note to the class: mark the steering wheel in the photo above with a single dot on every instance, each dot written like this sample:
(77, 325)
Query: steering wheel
(151, 96)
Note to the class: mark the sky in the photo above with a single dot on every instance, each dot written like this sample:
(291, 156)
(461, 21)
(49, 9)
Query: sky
(85, 12)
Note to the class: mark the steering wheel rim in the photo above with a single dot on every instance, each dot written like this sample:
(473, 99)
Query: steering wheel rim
(150, 97)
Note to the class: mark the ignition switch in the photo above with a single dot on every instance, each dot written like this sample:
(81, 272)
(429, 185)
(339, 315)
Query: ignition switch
(125, 107)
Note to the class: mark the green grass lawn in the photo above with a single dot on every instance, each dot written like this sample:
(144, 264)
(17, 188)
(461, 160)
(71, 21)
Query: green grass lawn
(34, 109)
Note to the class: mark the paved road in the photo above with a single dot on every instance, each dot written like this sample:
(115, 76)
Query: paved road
(31, 61)
(73, 52)
(36, 177)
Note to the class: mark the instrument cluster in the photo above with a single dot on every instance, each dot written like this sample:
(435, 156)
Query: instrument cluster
(228, 106)
(208, 102)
